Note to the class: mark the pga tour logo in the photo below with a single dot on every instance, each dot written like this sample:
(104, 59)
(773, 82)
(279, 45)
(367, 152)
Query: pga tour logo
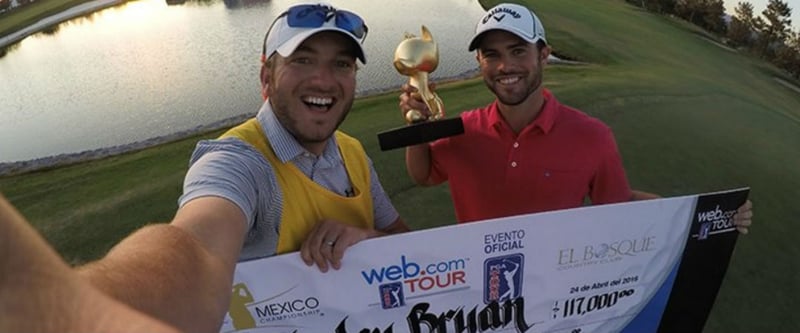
(502, 278)
(705, 230)
(392, 295)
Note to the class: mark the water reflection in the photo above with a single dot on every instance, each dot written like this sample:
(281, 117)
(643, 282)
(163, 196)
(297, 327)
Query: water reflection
(6, 49)
(146, 69)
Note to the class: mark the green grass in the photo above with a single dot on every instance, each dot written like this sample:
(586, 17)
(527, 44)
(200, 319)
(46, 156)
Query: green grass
(689, 117)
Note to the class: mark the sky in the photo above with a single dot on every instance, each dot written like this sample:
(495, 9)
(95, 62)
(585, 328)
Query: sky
(760, 5)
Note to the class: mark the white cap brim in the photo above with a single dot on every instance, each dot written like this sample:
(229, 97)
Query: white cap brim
(288, 46)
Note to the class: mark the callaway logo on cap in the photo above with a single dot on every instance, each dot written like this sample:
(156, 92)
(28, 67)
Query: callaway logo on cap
(513, 18)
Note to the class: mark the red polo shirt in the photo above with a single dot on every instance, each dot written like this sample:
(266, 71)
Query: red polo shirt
(555, 162)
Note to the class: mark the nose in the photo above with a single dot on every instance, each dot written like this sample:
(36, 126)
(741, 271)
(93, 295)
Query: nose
(324, 76)
(502, 65)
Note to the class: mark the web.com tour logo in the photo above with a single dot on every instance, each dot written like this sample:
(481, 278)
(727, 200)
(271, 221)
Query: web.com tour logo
(408, 277)
(714, 221)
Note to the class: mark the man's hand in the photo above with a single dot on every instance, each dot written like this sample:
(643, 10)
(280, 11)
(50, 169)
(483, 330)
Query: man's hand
(410, 99)
(327, 242)
(743, 217)
(642, 195)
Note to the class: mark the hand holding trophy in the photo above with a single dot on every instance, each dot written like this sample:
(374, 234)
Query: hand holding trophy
(416, 57)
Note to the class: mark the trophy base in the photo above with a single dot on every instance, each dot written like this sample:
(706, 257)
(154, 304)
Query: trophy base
(415, 134)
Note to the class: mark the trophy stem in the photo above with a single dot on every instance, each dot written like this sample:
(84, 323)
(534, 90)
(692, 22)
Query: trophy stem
(420, 81)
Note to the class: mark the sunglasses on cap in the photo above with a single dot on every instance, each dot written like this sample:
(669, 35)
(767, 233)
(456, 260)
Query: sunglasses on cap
(315, 16)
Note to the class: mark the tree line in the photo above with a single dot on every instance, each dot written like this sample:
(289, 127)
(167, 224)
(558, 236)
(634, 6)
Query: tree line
(769, 35)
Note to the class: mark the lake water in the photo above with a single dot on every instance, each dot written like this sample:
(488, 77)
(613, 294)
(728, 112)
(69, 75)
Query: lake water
(146, 69)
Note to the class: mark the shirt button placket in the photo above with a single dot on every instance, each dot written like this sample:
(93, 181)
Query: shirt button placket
(514, 163)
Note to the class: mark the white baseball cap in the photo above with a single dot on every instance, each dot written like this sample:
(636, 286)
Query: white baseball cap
(513, 18)
(284, 38)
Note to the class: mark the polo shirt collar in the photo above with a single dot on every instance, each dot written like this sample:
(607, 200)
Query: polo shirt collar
(544, 120)
(284, 145)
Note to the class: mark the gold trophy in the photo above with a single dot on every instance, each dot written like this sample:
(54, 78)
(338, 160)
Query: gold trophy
(416, 57)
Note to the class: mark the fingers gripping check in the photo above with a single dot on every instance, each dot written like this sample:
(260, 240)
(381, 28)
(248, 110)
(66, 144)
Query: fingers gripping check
(327, 242)
(744, 217)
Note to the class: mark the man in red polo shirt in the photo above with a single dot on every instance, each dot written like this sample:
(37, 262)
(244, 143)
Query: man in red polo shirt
(525, 152)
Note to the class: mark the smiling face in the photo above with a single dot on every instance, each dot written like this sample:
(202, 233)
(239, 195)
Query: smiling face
(312, 90)
(511, 67)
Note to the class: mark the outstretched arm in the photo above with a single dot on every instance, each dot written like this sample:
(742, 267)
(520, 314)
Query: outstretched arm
(40, 293)
(180, 273)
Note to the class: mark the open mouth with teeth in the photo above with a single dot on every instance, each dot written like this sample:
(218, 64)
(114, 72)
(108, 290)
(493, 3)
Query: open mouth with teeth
(319, 103)
(509, 80)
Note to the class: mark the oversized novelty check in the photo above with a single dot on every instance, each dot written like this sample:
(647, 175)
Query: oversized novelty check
(648, 266)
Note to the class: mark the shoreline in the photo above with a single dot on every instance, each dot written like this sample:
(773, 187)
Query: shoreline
(73, 12)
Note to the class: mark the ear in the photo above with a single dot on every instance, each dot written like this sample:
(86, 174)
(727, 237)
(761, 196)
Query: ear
(544, 54)
(265, 76)
(426, 34)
